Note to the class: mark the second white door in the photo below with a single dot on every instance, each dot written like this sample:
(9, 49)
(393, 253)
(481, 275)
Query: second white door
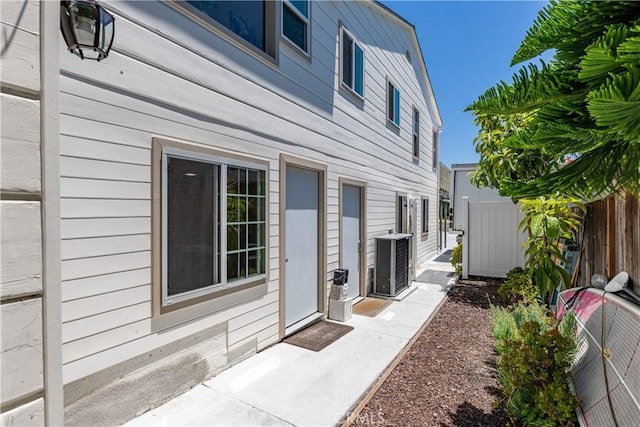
(351, 236)
(302, 239)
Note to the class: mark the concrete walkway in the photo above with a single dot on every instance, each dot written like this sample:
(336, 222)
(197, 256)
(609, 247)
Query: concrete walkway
(288, 385)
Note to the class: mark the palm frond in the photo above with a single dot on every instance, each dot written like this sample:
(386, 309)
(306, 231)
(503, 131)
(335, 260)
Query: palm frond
(618, 167)
(532, 87)
(616, 105)
(600, 59)
(629, 50)
(570, 26)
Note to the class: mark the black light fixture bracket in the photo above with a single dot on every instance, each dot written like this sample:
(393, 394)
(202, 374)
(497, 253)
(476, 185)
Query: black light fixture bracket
(87, 27)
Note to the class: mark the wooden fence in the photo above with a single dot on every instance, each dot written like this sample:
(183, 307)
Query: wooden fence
(610, 240)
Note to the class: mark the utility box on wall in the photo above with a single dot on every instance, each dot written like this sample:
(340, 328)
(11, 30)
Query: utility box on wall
(391, 274)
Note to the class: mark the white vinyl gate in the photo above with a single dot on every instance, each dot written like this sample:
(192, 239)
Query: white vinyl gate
(491, 242)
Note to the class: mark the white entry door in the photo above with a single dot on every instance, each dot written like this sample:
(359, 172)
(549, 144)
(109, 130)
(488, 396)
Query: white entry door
(413, 229)
(302, 238)
(351, 243)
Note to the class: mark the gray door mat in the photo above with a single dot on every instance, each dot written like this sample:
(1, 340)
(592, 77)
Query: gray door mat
(445, 256)
(319, 335)
(436, 277)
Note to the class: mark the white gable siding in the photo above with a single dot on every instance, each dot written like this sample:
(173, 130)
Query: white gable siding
(168, 76)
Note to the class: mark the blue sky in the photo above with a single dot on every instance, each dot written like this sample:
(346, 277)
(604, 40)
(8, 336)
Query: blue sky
(467, 46)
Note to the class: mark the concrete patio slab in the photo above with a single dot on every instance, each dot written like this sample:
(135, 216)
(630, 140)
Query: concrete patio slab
(203, 406)
(289, 385)
(311, 388)
(401, 319)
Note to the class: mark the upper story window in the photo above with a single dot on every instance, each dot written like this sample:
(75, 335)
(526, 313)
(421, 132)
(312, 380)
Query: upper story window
(416, 133)
(295, 23)
(251, 22)
(434, 151)
(352, 63)
(393, 104)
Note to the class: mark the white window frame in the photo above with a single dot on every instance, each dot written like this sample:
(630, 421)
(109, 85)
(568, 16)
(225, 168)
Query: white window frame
(222, 163)
(392, 121)
(355, 42)
(307, 21)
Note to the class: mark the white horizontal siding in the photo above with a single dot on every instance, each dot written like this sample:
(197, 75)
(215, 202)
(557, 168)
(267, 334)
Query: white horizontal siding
(117, 345)
(99, 246)
(167, 76)
(87, 267)
(101, 208)
(100, 189)
(86, 148)
(98, 227)
(20, 136)
(21, 348)
(21, 255)
(97, 169)
(92, 325)
(87, 307)
(88, 287)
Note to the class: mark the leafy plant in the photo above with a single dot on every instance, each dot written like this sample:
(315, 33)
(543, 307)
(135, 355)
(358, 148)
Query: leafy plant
(571, 125)
(535, 356)
(509, 321)
(518, 288)
(456, 258)
(546, 220)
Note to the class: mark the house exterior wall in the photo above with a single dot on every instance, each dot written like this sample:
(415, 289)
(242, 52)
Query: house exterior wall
(171, 78)
(445, 180)
(461, 186)
(29, 287)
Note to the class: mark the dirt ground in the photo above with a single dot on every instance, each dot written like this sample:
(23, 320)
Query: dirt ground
(448, 376)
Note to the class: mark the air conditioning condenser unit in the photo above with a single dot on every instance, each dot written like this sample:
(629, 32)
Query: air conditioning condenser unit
(391, 273)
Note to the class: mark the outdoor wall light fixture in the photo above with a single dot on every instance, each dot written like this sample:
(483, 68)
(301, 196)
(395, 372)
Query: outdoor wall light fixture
(87, 28)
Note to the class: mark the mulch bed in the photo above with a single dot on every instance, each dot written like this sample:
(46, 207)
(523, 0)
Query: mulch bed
(448, 376)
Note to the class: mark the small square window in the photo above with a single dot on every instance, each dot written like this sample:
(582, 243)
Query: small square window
(393, 104)
(295, 23)
(416, 133)
(352, 58)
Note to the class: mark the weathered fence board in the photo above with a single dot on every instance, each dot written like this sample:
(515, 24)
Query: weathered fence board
(610, 240)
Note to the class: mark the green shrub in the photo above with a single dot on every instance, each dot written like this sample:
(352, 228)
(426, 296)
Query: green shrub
(535, 357)
(547, 219)
(514, 271)
(456, 258)
(518, 288)
(508, 322)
